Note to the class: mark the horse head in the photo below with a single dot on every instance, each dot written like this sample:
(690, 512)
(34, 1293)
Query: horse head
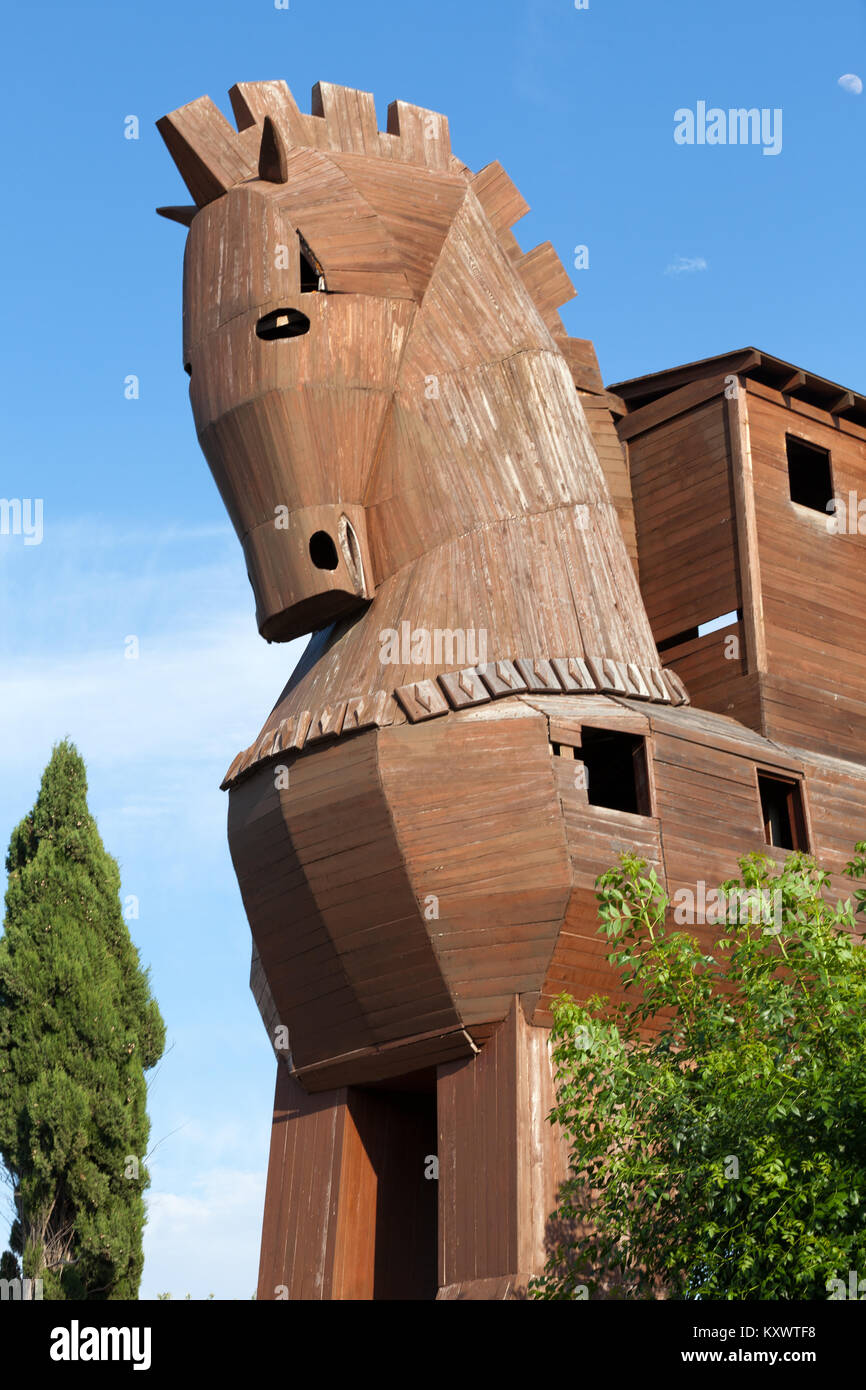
(378, 375)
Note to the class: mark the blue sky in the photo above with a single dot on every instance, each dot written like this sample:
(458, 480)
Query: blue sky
(693, 250)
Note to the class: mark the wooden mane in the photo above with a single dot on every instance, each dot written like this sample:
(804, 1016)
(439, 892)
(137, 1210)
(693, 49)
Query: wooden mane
(212, 158)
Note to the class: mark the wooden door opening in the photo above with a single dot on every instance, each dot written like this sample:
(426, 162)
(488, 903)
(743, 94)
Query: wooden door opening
(392, 1252)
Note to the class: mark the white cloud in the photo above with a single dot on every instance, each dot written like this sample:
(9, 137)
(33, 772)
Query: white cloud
(686, 265)
(850, 82)
(190, 696)
(206, 1241)
(157, 732)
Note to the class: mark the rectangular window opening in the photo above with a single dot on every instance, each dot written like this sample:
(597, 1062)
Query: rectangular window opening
(782, 811)
(702, 630)
(616, 769)
(809, 476)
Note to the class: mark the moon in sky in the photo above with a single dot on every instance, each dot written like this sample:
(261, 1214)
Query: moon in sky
(850, 82)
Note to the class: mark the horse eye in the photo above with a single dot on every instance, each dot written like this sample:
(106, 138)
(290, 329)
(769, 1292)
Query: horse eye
(283, 323)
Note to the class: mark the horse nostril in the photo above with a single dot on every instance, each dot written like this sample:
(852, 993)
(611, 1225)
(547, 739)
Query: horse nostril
(187, 366)
(283, 323)
(323, 552)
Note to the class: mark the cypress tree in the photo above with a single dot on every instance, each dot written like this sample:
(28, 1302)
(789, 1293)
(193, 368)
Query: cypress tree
(78, 1030)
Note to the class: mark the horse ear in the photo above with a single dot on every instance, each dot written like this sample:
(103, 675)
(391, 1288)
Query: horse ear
(273, 164)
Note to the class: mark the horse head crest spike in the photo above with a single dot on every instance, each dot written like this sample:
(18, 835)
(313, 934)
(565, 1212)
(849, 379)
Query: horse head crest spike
(273, 166)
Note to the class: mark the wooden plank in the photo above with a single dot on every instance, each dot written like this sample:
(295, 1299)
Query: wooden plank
(547, 281)
(675, 403)
(209, 156)
(747, 534)
(501, 200)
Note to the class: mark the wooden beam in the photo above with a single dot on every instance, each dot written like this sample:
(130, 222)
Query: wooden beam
(183, 214)
(501, 200)
(547, 280)
(209, 154)
(253, 101)
(349, 116)
(844, 401)
(423, 135)
(734, 362)
(579, 353)
(792, 382)
(675, 403)
(747, 534)
(796, 404)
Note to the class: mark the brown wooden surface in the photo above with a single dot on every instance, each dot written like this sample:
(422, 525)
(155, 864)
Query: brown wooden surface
(813, 584)
(300, 1220)
(685, 517)
(500, 1162)
(717, 531)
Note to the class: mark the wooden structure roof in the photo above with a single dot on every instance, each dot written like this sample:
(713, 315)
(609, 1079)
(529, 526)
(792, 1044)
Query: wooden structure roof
(758, 366)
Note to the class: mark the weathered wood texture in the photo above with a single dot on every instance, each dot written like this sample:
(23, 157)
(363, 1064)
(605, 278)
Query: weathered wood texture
(431, 404)
(718, 533)
(814, 588)
(684, 513)
(500, 885)
(349, 1212)
(429, 873)
(500, 1164)
(707, 814)
(342, 978)
(611, 456)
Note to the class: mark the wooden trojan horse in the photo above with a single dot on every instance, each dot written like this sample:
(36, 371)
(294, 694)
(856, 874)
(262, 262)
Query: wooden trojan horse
(395, 419)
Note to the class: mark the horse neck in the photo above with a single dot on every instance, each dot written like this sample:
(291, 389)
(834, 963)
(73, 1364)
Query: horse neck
(490, 520)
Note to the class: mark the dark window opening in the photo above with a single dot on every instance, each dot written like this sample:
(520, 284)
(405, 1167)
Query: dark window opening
(691, 634)
(283, 323)
(782, 811)
(323, 552)
(616, 770)
(312, 278)
(809, 476)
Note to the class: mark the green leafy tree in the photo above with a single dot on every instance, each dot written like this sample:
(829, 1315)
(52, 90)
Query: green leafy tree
(716, 1114)
(78, 1030)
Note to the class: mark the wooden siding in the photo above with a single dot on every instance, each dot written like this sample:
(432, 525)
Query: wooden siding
(707, 815)
(300, 1221)
(814, 589)
(314, 863)
(612, 457)
(478, 821)
(500, 1164)
(713, 670)
(684, 514)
